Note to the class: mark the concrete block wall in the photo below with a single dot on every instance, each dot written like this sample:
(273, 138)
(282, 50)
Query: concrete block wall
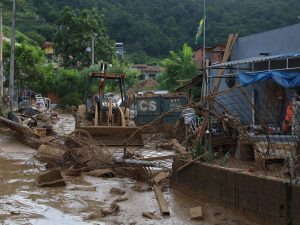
(267, 201)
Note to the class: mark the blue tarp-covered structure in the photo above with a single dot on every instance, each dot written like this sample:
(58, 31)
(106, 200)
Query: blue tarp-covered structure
(285, 79)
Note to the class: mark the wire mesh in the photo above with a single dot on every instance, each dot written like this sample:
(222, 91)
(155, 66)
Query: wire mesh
(255, 128)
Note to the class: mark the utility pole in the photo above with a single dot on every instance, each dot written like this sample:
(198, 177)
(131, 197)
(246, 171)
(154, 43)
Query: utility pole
(12, 53)
(94, 35)
(93, 50)
(1, 53)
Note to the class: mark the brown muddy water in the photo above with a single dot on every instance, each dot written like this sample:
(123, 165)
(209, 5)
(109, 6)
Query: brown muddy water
(22, 202)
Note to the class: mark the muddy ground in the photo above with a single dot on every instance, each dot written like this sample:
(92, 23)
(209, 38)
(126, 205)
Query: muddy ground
(22, 202)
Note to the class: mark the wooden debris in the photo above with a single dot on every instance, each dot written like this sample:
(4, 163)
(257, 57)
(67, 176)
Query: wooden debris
(72, 172)
(83, 188)
(118, 191)
(50, 154)
(113, 210)
(160, 177)
(181, 150)
(196, 213)
(121, 199)
(161, 201)
(191, 162)
(106, 173)
(52, 178)
(141, 189)
(150, 215)
(230, 43)
(166, 146)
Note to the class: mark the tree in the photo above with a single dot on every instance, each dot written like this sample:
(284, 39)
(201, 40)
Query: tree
(74, 36)
(30, 66)
(179, 65)
(120, 67)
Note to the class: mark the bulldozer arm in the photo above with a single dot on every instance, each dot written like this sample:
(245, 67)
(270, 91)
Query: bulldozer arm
(115, 136)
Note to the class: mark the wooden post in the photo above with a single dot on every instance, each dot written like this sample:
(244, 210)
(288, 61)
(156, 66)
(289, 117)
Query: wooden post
(1, 53)
(161, 201)
(12, 53)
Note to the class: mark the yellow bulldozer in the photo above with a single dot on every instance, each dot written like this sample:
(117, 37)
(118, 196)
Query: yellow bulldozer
(104, 117)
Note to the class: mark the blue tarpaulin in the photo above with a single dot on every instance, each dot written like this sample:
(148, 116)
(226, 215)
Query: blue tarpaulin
(283, 78)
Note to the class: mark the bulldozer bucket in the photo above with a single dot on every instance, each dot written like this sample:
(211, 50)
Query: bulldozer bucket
(115, 136)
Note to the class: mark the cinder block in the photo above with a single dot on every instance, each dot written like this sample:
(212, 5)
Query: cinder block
(253, 184)
(275, 189)
(228, 193)
(295, 212)
(248, 200)
(213, 189)
(174, 180)
(272, 207)
(295, 195)
(269, 220)
(185, 179)
(218, 175)
(254, 216)
(239, 182)
(230, 178)
(203, 171)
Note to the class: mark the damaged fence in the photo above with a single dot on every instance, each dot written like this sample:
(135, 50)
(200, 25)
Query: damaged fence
(254, 128)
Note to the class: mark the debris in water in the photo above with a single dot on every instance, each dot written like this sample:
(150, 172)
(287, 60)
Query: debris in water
(113, 210)
(118, 191)
(150, 215)
(52, 178)
(196, 213)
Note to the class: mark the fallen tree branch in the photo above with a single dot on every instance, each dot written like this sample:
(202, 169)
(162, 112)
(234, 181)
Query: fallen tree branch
(191, 162)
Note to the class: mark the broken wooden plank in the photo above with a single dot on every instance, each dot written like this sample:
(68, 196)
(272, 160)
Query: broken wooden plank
(191, 162)
(166, 146)
(160, 176)
(230, 43)
(106, 173)
(150, 215)
(161, 201)
(159, 158)
(178, 147)
(196, 213)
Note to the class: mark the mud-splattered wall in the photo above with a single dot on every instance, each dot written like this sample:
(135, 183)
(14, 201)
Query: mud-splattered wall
(264, 200)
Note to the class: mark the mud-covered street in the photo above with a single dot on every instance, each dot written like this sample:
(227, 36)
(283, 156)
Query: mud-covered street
(81, 200)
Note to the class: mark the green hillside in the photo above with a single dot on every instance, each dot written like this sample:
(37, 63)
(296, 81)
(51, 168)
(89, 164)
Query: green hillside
(153, 26)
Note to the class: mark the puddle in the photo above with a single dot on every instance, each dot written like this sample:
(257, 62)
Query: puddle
(22, 202)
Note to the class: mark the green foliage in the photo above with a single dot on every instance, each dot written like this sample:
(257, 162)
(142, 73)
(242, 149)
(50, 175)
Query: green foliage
(76, 29)
(30, 65)
(226, 158)
(122, 67)
(155, 27)
(178, 66)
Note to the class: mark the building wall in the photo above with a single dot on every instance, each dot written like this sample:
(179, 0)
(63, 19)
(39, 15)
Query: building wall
(264, 200)
(198, 56)
(279, 41)
(217, 54)
(274, 42)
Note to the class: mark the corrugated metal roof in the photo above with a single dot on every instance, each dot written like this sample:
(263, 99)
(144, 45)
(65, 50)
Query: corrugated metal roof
(254, 60)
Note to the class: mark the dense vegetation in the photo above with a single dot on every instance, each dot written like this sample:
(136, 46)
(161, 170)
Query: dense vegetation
(153, 28)
(150, 30)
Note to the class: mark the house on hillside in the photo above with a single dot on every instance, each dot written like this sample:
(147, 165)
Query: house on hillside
(213, 54)
(120, 50)
(48, 47)
(148, 72)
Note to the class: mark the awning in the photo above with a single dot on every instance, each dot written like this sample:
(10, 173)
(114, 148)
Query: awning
(285, 79)
(255, 60)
